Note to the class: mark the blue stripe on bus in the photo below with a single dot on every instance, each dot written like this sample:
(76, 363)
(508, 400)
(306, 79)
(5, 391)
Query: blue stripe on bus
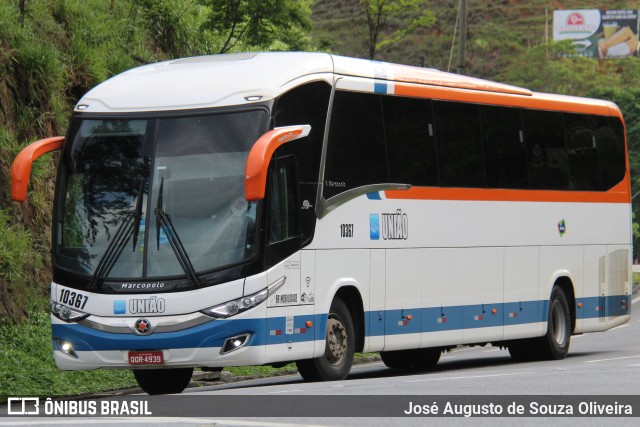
(380, 88)
(273, 331)
(450, 318)
(374, 196)
(596, 307)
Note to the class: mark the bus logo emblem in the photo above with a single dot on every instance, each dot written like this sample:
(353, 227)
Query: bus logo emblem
(562, 227)
(142, 327)
(374, 226)
(395, 226)
(119, 307)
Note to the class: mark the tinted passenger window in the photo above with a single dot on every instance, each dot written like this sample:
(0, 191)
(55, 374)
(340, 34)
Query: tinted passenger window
(305, 105)
(610, 140)
(546, 153)
(356, 153)
(411, 149)
(459, 148)
(582, 152)
(504, 149)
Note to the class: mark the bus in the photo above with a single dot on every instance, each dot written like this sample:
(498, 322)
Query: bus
(269, 208)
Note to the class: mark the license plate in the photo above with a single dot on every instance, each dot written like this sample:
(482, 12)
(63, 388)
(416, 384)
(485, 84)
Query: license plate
(146, 357)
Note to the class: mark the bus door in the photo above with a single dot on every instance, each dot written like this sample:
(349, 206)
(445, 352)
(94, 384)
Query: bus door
(286, 326)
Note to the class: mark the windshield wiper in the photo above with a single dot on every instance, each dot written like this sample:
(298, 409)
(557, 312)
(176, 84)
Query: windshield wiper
(163, 221)
(137, 216)
(127, 228)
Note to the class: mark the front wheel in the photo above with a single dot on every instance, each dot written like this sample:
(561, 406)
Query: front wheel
(336, 362)
(163, 381)
(555, 344)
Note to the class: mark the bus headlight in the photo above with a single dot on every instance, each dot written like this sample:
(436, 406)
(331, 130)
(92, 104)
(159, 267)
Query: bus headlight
(233, 307)
(67, 313)
(66, 347)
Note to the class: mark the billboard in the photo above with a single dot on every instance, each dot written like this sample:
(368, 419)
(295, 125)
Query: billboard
(598, 34)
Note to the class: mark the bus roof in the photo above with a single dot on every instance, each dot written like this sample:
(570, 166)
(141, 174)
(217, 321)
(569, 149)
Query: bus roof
(245, 78)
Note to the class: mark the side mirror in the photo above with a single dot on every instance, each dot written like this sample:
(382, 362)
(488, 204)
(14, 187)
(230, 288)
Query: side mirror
(21, 167)
(257, 167)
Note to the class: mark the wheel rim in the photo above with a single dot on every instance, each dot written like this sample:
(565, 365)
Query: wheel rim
(336, 340)
(559, 323)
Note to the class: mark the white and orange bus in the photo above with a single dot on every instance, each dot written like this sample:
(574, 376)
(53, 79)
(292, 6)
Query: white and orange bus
(253, 209)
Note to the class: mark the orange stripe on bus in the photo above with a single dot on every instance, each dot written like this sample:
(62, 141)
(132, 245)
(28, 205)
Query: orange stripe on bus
(618, 194)
(537, 101)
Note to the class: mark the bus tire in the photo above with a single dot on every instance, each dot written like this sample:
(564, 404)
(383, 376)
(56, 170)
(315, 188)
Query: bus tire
(421, 359)
(336, 362)
(554, 345)
(163, 381)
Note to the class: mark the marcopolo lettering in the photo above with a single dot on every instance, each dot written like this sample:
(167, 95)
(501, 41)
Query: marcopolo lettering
(395, 226)
(138, 286)
(150, 305)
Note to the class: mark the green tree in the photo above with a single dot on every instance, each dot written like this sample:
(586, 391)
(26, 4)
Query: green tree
(242, 24)
(169, 26)
(389, 21)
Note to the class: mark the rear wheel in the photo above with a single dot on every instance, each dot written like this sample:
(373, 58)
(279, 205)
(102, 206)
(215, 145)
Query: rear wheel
(336, 362)
(421, 359)
(163, 381)
(555, 344)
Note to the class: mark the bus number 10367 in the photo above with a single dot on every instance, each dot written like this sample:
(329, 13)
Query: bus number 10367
(346, 230)
(73, 299)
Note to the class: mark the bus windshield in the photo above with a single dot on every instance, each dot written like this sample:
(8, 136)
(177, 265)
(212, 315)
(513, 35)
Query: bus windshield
(140, 197)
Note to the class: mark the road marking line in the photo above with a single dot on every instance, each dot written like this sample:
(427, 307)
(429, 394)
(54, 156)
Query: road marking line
(635, 300)
(614, 358)
(469, 377)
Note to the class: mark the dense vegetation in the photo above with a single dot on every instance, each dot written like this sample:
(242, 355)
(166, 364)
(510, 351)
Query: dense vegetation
(52, 52)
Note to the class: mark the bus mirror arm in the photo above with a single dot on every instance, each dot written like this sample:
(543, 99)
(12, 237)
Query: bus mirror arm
(255, 176)
(21, 167)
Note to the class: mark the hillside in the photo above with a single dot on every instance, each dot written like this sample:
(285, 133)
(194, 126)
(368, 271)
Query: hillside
(498, 31)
